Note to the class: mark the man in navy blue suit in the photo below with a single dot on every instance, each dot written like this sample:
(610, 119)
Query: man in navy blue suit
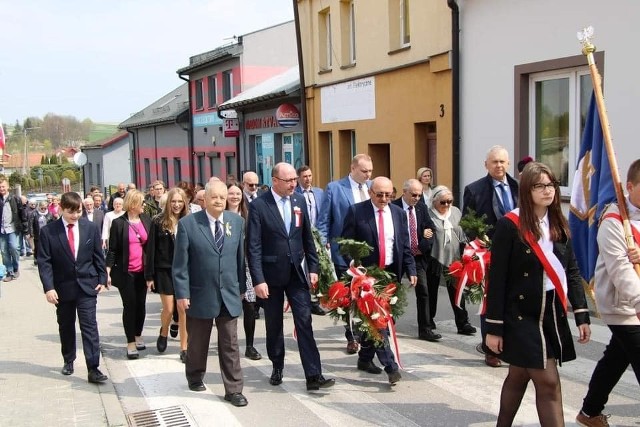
(492, 195)
(420, 241)
(341, 194)
(314, 197)
(72, 271)
(384, 227)
(279, 241)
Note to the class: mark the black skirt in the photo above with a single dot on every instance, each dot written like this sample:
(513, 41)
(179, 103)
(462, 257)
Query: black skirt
(163, 282)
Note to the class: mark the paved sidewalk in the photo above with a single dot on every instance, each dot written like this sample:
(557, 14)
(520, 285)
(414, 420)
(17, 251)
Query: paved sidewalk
(33, 392)
(445, 383)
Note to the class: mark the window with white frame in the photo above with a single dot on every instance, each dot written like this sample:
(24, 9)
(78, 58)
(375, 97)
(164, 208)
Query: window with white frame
(405, 23)
(199, 95)
(324, 40)
(352, 33)
(558, 104)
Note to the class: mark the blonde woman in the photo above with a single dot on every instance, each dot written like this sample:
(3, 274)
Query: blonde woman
(425, 176)
(157, 267)
(125, 267)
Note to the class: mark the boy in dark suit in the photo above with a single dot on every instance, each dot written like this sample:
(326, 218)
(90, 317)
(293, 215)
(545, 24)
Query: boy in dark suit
(72, 271)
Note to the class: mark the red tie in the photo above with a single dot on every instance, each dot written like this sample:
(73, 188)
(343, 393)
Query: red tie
(381, 243)
(72, 243)
(413, 232)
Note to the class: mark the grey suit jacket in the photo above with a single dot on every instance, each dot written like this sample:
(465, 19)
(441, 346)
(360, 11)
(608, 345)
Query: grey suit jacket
(205, 275)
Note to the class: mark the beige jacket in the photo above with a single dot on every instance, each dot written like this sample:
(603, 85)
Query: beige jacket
(617, 286)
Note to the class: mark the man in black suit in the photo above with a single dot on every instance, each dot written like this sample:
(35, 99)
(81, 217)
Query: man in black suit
(250, 188)
(391, 251)
(122, 190)
(420, 241)
(72, 271)
(492, 195)
(91, 214)
(279, 240)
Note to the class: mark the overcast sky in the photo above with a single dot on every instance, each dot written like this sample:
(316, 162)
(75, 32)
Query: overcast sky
(107, 59)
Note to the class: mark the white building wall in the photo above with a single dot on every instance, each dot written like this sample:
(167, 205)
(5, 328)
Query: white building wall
(497, 35)
(117, 155)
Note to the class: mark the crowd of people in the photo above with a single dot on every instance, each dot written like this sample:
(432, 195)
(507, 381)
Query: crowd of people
(217, 251)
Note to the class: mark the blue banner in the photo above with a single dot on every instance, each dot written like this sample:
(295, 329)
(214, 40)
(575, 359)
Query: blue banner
(592, 190)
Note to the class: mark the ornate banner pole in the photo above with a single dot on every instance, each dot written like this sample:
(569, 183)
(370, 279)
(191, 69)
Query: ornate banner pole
(588, 49)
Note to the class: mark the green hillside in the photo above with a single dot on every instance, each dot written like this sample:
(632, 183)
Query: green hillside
(102, 130)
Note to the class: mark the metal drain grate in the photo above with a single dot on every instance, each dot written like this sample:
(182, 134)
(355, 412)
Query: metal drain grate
(173, 416)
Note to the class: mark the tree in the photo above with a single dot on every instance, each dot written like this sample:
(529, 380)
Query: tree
(17, 128)
(43, 160)
(70, 174)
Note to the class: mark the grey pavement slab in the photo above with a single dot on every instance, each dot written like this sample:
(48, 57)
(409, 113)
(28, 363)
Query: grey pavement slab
(443, 383)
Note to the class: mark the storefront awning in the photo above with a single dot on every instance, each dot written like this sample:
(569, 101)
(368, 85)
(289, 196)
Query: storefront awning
(275, 87)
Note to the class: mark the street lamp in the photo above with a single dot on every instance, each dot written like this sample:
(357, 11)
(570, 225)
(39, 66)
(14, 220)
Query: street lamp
(24, 161)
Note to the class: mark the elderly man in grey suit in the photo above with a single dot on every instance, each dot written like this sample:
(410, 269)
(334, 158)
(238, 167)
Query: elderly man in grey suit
(209, 279)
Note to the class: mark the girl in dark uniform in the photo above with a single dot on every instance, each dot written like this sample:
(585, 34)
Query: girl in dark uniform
(158, 264)
(532, 277)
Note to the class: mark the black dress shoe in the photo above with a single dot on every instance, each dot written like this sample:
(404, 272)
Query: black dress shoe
(318, 382)
(67, 369)
(317, 310)
(276, 376)
(236, 399)
(394, 377)
(369, 367)
(183, 356)
(197, 386)
(467, 329)
(161, 344)
(429, 335)
(173, 330)
(96, 377)
(252, 353)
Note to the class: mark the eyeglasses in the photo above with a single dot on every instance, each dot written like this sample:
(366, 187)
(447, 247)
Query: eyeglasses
(415, 195)
(288, 181)
(383, 195)
(445, 202)
(540, 187)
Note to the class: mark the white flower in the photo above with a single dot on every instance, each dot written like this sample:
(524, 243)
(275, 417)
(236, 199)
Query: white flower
(340, 311)
(320, 294)
(393, 300)
(375, 315)
(227, 228)
(356, 320)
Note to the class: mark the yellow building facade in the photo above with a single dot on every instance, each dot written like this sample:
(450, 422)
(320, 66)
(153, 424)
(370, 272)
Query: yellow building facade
(377, 80)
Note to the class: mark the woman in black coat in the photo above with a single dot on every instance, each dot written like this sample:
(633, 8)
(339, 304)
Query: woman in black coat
(157, 267)
(533, 274)
(125, 267)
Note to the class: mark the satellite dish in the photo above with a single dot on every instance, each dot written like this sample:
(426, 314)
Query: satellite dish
(80, 158)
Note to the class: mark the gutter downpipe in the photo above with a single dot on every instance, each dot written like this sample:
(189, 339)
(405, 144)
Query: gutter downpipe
(190, 144)
(455, 95)
(135, 160)
(303, 89)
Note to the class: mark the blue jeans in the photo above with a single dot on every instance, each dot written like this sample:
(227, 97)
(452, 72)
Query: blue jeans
(9, 249)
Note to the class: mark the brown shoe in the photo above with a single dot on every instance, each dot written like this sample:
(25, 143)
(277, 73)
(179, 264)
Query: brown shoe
(596, 421)
(353, 347)
(492, 361)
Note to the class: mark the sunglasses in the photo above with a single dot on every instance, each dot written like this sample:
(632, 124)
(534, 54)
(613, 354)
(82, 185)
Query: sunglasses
(445, 202)
(251, 185)
(383, 195)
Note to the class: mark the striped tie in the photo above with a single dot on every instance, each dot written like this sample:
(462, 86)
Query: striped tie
(219, 237)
